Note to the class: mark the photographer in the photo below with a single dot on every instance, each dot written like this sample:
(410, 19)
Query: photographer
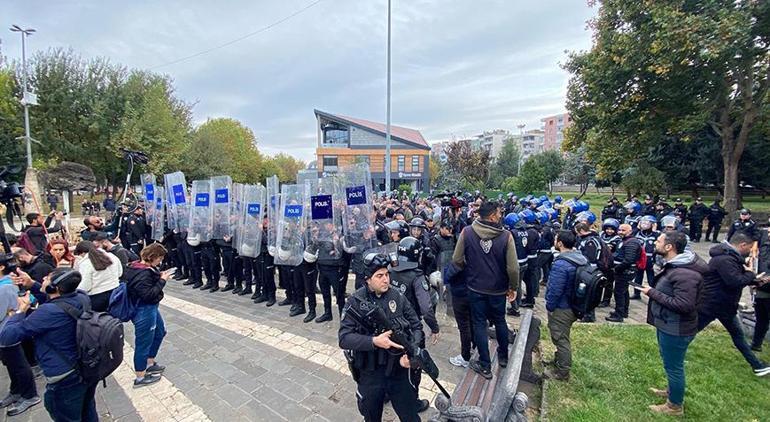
(37, 230)
(66, 396)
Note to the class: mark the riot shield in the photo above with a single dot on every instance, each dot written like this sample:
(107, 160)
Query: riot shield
(148, 187)
(324, 218)
(273, 200)
(176, 191)
(235, 213)
(355, 183)
(220, 208)
(200, 212)
(158, 222)
(250, 237)
(291, 226)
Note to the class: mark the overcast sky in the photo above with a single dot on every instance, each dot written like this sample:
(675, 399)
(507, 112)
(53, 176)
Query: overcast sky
(459, 66)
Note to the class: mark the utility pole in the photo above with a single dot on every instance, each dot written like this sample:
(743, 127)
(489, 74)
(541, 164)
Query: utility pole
(27, 97)
(521, 151)
(387, 122)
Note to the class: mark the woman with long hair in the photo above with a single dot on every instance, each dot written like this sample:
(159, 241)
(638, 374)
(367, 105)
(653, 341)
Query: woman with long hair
(100, 272)
(145, 285)
(59, 250)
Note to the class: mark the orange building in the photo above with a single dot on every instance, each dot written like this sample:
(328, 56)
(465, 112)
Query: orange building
(346, 140)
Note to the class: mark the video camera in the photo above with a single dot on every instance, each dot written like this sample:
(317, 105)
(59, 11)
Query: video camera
(9, 191)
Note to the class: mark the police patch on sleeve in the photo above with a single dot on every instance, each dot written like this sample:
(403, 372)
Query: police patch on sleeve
(392, 305)
(425, 284)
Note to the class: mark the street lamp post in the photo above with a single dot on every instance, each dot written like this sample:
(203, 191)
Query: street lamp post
(521, 153)
(387, 122)
(25, 95)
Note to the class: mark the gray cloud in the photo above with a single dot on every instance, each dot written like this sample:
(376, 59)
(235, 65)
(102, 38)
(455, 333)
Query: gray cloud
(459, 66)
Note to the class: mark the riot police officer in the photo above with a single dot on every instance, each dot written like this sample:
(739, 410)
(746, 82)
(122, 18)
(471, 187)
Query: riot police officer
(379, 365)
(612, 209)
(136, 230)
(418, 230)
(514, 224)
(408, 278)
(680, 209)
(610, 237)
(632, 217)
(648, 234)
(648, 208)
(744, 224)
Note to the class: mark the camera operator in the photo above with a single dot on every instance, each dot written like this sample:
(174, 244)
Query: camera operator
(38, 228)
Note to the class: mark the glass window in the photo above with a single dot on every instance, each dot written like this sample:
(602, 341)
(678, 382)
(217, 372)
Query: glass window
(401, 163)
(335, 134)
(330, 161)
(415, 163)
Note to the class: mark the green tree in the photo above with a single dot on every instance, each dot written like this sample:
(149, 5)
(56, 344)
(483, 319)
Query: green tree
(578, 170)
(471, 166)
(671, 68)
(10, 124)
(532, 177)
(642, 178)
(224, 146)
(287, 167)
(506, 164)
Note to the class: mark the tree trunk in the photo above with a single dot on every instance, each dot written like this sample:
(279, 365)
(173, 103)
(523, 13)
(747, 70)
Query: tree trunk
(731, 199)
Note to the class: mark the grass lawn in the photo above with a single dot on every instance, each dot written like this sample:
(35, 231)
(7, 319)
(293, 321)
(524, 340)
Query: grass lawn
(614, 365)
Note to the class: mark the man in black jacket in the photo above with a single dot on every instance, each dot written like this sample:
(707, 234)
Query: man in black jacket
(715, 216)
(38, 228)
(34, 265)
(723, 285)
(625, 270)
(744, 224)
(672, 310)
(698, 212)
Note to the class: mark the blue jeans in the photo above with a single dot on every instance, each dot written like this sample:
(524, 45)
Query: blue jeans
(488, 308)
(69, 400)
(149, 331)
(672, 351)
(733, 326)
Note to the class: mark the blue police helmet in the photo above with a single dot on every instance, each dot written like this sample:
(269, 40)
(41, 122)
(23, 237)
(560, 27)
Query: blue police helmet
(668, 221)
(511, 220)
(570, 204)
(552, 213)
(649, 218)
(528, 197)
(528, 216)
(558, 199)
(543, 198)
(535, 202)
(546, 204)
(586, 216)
(542, 217)
(524, 202)
(611, 222)
(581, 206)
(633, 205)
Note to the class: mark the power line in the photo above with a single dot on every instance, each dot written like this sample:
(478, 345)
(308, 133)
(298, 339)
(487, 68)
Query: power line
(251, 34)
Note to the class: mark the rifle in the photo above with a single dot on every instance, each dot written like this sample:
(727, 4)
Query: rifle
(419, 358)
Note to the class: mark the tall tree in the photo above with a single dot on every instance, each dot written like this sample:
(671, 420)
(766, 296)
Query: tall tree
(287, 167)
(224, 146)
(506, 164)
(659, 69)
(470, 164)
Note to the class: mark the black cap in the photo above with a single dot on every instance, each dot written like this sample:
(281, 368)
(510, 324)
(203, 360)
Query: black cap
(746, 211)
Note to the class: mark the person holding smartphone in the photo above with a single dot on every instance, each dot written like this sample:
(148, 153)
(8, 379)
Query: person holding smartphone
(145, 285)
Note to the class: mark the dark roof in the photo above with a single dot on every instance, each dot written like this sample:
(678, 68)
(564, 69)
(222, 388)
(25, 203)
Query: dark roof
(406, 135)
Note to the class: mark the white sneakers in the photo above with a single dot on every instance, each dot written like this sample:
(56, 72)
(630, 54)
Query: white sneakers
(458, 361)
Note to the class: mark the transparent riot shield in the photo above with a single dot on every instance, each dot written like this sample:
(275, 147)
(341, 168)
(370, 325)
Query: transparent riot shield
(389, 249)
(148, 187)
(291, 226)
(200, 211)
(325, 219)
(221, 196)
(358, 216)
(176, 191)
(250, 237)
(273, 201)
(235, 213)
(158, 206)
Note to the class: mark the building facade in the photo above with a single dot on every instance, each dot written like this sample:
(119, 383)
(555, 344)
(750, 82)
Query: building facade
(554, 126)
(532, 142)
(346, 140)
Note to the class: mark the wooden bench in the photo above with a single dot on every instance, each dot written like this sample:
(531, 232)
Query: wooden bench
(476, 399)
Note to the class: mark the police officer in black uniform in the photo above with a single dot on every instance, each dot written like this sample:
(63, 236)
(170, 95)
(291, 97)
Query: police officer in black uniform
(136, 227)
(266, 271)
(715, 216)
(379, 365)
(744, 224)
(698, 213)
(408, 278)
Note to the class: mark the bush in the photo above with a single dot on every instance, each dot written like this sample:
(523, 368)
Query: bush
(404, 187)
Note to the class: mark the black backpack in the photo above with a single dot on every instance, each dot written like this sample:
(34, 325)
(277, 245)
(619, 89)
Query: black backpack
(604, 257)
(99, 342)
(587, 290)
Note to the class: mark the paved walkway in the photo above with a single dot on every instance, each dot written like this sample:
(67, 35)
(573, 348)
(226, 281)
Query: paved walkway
(229, 359)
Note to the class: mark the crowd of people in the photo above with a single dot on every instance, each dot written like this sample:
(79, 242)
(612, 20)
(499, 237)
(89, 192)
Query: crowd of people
(485, 258)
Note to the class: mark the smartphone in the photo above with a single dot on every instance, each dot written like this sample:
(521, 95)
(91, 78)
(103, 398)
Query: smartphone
(761, 275)
(171, 270)
(635, 285)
